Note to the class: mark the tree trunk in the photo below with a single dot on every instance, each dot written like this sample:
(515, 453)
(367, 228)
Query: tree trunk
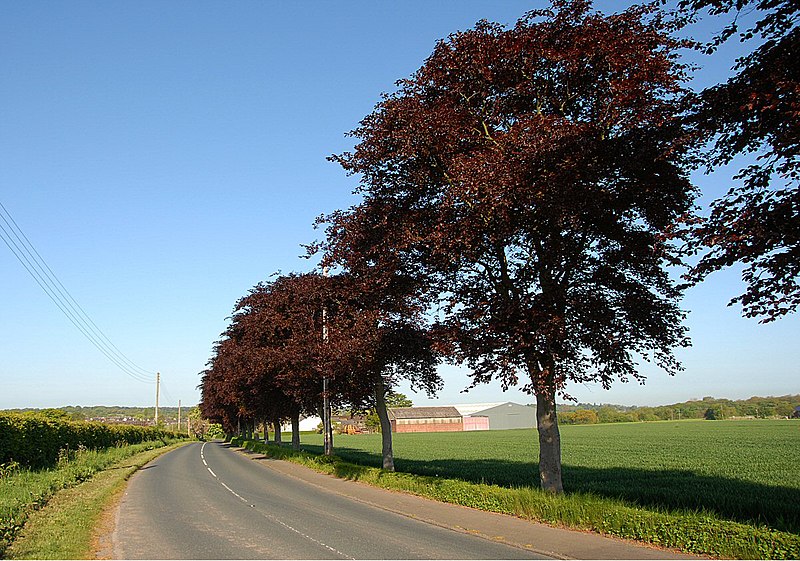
(276, 424)
(549, 441)
(386, 426)
(265, 425)
(295, 431)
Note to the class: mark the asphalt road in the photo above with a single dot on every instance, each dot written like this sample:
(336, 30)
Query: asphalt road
(205, 501)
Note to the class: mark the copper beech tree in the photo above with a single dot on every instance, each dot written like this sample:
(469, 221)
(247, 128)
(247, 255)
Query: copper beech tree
(240, 391)
(526, 177)
(288, 334)
(756, 111)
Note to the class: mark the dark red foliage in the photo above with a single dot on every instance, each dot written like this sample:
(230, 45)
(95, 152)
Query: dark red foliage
(756, 111)
(525, 177)
(286, 335)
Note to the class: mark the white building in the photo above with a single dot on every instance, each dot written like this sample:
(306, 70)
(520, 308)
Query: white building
(497, 416)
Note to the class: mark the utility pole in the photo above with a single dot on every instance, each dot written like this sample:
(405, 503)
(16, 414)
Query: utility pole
(158, 383)
(179, 416)
(326, 402)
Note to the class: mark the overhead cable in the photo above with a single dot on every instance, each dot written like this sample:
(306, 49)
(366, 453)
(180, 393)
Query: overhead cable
(19, 244)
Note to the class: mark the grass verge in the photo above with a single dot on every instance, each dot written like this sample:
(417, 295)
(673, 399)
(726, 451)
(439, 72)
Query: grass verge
(50, 514)
(689, 531)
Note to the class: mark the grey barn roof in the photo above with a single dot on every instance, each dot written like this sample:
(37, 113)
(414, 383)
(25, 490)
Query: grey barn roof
(424, 413)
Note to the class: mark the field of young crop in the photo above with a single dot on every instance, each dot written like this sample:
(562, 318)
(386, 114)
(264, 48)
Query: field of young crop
(746, 471)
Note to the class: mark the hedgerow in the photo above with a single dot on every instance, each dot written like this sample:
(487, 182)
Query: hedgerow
(35, 441)
(24, 490)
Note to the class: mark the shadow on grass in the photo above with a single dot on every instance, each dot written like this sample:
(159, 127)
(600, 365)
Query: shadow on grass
(741, 501)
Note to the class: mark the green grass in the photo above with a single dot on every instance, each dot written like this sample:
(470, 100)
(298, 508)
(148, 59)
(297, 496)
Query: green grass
(745, 471)
(24, 491)
(693, 532)
(724, 488)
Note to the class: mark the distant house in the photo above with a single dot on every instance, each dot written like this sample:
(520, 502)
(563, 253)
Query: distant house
(497, 416)
(796, 414)
(425, 419)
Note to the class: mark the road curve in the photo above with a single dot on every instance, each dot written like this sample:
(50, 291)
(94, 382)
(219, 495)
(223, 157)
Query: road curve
(205, 501)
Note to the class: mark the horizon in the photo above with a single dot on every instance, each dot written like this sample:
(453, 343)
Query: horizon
(600, 404)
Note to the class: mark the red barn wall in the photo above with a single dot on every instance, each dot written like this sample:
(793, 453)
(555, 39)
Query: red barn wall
(476, 423)
(456, 426)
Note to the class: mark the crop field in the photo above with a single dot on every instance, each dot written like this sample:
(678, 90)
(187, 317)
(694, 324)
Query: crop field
(746, 471)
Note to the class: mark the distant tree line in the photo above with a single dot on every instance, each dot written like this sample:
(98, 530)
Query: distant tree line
(83, 413)
(707, 408)
(523, 198)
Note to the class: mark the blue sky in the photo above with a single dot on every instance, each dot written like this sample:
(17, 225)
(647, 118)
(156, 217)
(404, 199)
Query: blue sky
(165, 157)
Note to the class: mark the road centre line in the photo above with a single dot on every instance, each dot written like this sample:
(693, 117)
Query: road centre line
(269, 516)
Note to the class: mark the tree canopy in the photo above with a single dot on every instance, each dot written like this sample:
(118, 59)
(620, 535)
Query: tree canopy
(288, 334)
(756, 111)
(529, 176)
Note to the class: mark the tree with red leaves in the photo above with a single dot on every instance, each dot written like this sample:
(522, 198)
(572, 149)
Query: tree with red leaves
(274, 357)
(526, 177)
(388, 293)
(221, 396)
(278, 327)
(249, 379)
(756, 111)
(364, 354)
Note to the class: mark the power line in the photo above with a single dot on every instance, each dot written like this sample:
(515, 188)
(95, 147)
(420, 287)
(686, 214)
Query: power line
(64, 292)
(44, 276)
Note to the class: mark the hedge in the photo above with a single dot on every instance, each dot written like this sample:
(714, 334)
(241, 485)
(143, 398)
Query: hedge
(35, 441)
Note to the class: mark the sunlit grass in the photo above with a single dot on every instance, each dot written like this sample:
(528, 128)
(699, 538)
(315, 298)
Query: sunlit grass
(24, 491)
(730, 489)
(742, 470)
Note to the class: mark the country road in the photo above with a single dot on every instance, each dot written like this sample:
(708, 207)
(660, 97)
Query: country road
(209, 501)
(205, 501)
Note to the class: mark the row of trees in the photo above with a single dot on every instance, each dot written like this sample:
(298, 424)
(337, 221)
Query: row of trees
(302, 340)
(523, 196)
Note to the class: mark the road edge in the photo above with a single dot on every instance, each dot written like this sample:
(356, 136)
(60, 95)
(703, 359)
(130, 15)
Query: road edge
(102, 537)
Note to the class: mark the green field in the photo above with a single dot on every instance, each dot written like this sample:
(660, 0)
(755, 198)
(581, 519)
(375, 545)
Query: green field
(746, 471)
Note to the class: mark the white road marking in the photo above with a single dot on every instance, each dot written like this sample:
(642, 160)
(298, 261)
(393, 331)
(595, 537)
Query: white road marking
(266, 515)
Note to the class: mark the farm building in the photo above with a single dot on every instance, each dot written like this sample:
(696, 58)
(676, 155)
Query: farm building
(497, 416)
(475, 416)
(425, 419)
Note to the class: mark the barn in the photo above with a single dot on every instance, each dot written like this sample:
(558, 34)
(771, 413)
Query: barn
(497, 416)
(467, 417)
(425, 419)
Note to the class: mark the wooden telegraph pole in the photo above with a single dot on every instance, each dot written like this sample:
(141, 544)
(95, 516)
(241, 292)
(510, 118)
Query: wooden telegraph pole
(326, 402)
(158, 383)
